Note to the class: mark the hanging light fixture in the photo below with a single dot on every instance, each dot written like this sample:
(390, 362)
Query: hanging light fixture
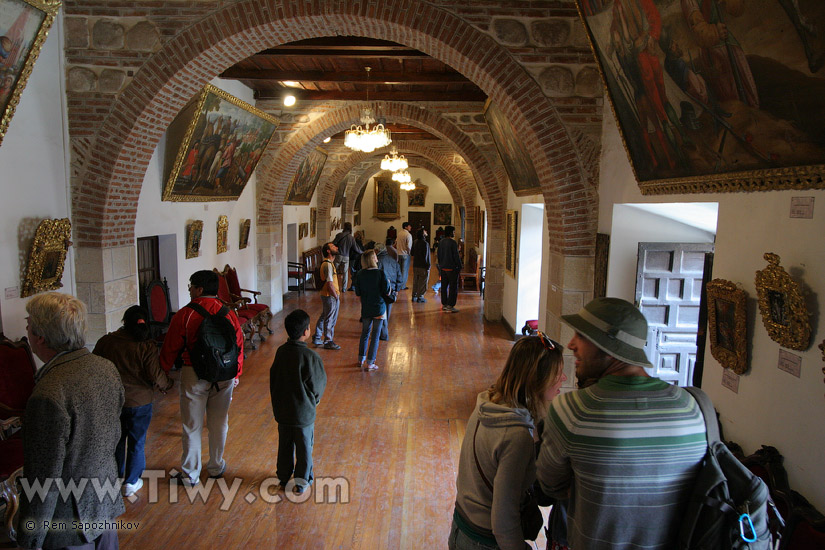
(364, 138)
(401, 177)
(394, 163)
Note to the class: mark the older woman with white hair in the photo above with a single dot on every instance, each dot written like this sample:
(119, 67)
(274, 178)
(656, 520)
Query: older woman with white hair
(72, 426)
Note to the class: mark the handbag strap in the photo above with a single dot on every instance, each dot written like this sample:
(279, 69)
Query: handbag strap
(483, 477)
(708, 412)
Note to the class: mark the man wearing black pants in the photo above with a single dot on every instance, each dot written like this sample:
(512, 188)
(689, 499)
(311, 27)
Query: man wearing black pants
(449, 265)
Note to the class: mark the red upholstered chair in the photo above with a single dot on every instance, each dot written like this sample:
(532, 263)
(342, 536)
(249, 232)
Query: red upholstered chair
(247, 316)
(8, 494)
(235, 290)
(155, 298)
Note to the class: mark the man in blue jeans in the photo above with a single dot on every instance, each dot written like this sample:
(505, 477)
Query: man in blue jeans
(403, 245)
(449, 265)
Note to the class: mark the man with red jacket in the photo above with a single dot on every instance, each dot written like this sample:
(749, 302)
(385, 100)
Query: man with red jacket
(199, 396)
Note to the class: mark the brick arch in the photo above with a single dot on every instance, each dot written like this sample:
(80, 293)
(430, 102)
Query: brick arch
(108, 185)
(277, 171)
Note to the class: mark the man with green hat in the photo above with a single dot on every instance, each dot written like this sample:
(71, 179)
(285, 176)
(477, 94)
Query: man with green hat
(627, 447)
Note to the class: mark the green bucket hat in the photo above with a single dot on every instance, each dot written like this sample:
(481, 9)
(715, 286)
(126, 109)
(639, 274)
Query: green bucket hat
(615, 326)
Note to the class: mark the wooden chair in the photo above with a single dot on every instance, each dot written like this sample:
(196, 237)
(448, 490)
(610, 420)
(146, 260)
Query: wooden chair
(248, 317)
(155, 298)
(312, 258)
(470, 270)
(297, 271)
(8, 494)
(264, 314)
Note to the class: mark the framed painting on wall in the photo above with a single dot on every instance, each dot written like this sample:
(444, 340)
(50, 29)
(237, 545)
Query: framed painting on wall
(306, 178)
(727, 325)
(338, 200)
(442, 214)
(313, 213)
(514, 157)
(303, 230)
(223, 234)
(511, 250)
(387, 199)
(782, 306)
(213, 146)
(699, 111)
(47, 257)
(477, 221)
(243, 241)
(24, 25)
(418, 196)
(194, 233)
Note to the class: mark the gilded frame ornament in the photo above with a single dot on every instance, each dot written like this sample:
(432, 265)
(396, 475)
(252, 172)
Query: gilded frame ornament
(727, 325)
(511, 251)
(303, 230)
(757, 162)
(223, 234)
(24, 49)
(202, 133)
(243, 240)
(313, 219)
(194, 234)
(387, 199)
(47, 257)
(782, 306)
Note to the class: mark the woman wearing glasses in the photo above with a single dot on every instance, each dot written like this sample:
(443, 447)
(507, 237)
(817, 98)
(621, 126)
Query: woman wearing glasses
(498, 458)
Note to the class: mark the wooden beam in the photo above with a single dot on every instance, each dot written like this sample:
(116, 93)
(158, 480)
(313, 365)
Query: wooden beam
(360, 77)
(284, 52)
(434, 95)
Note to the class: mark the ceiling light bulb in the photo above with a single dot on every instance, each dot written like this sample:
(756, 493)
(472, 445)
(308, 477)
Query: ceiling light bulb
(289, 100)
(327, 140)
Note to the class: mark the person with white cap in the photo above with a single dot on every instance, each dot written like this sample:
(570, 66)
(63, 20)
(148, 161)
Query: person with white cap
(626, 448)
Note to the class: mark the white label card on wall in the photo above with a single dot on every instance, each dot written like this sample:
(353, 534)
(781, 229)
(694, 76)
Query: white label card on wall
(12, 292)
(730, 380)
(790, 363)
(802, 207)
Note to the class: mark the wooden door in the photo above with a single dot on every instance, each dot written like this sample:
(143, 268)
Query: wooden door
(668, 292)
(148, 260)
(419, 220)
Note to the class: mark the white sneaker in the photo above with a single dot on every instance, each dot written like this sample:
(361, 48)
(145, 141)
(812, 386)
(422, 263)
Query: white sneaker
(130, 489)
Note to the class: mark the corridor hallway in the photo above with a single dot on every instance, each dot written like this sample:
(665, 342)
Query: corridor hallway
(394, 435)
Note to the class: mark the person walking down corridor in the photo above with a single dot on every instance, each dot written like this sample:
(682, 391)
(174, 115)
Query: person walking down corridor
(449, 265)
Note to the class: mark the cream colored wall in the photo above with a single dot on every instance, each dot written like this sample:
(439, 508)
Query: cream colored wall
(510, 306)
(772, 407)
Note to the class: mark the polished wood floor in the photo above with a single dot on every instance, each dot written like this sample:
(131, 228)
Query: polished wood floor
(393, 435)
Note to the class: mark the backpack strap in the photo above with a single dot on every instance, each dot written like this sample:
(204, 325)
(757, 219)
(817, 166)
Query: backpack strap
(706, 406)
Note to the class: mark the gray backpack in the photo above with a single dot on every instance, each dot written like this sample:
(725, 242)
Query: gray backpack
(728, 509)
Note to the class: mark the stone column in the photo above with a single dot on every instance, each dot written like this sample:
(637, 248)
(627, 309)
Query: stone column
(269, 259)
(494, 279)
(106, 280)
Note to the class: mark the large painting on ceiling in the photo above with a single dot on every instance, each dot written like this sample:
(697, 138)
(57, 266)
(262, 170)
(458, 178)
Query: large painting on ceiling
(306, 178)
(517, 163)
(213, 146)
(715, 95)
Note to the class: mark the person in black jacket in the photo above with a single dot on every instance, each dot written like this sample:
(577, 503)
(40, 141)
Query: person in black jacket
(421, 265)
(297, 380)
(393, 272)
(449, 265)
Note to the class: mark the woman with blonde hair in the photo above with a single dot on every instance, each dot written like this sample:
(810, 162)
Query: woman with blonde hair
(497, 464)
(373, 287)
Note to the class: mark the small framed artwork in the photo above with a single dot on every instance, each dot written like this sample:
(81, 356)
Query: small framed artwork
(477, 220)
(442, 214)
(24, 25)
(243, 241)
(782, 306)
(194, 233)
(213, 146)
(483, 225)
(306, 178)
(727, 325)
(357, 219)
(303, 230)
(223, 234)
(47, 257)
(387, 199)
(511, 251)
(313, 218)
(417, 198)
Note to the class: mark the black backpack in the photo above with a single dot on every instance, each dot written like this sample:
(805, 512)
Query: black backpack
(214, 354)
(729, 507)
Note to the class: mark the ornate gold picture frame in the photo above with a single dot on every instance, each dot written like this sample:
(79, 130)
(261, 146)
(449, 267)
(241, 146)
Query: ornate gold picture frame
(303, 230)
(387, 199)
(782, 306)
(303, 183)
(246, 226)
(194, 234)
(511, 252)
(47, 257)
(313, 221)
(727, 325)
(24, 25)
(213, 146)
(223, 234)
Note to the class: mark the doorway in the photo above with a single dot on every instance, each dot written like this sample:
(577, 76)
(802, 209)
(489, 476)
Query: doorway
(529, 264)
(419, 220)
(292, 242)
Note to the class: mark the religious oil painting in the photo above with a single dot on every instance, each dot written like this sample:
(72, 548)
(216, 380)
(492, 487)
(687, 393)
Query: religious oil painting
(47, 257)
(313, 220)
(213, 146)
(418, 196)
(715, 95)
(517, 163)
(24, 25)
(782, 305)
(194, 234)
(727, 325)
(243, 239)
(442, 213)
(223, 234)
(306, 178)
(387, 199)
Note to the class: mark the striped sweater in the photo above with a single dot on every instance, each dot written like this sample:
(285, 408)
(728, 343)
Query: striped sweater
(628, 450)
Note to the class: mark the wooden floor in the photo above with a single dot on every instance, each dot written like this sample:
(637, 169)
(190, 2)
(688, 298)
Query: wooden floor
(393, 435)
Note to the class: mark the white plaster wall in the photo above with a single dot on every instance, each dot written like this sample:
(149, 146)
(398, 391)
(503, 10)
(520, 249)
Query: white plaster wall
(34, 180)
(772, 407)
(632, 226)
(530, 264)
(437, 192)
(511, 292)
(156, 217)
